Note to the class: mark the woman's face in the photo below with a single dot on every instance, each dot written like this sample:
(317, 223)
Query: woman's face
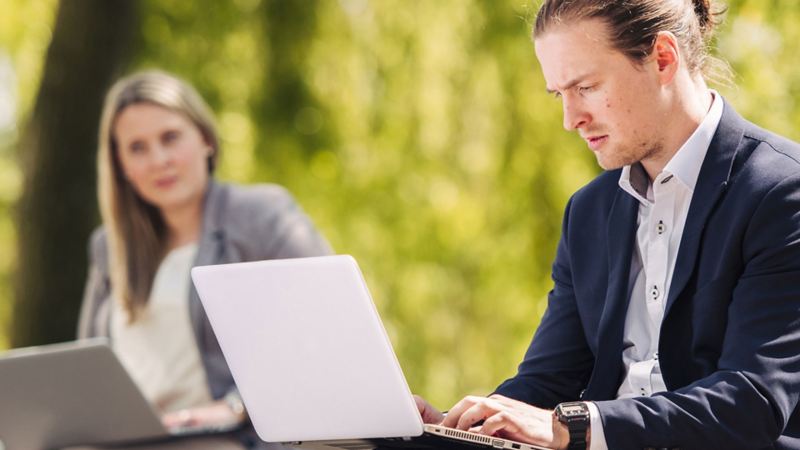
(163, 156)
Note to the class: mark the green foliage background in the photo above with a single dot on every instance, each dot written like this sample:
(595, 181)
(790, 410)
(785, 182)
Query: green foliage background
(418, 136)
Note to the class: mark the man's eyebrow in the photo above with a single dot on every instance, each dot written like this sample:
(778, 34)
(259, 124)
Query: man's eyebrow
(570, 84)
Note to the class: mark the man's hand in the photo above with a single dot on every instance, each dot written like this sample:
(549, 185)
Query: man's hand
(508, 419)
(429, 413)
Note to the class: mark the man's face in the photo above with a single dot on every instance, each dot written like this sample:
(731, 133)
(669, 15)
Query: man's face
(611, 101)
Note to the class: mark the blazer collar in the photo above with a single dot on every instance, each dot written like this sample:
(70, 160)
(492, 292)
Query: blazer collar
(212, 233)
(715, 175)
(210, 250)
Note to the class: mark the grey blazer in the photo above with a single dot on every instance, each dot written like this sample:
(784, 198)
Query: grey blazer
(240, 223)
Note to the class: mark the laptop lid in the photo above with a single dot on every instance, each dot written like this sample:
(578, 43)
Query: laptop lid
(67, 394)
(307, 349)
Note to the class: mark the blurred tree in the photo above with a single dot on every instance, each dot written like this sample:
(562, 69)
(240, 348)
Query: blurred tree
(291, 121)
(58, 209)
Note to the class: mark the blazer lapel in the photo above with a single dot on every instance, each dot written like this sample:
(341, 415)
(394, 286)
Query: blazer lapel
(212, 235)
(209, 250)
(711, 184)
(621, 234)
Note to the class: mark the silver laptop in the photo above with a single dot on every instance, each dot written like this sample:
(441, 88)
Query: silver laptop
(312, 360)
(74, 393)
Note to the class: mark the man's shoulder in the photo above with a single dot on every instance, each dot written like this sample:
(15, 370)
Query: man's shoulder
(769, 158)
(781, 147)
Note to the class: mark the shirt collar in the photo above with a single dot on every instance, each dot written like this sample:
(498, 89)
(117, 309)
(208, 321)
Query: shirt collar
(634, 181)
(685, 164)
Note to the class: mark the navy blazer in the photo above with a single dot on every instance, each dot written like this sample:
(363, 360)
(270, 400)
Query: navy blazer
(730, 339)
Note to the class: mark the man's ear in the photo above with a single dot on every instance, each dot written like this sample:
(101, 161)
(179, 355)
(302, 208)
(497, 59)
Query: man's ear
(667, 56)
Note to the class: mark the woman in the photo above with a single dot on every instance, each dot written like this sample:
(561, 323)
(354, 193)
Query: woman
(163, 214)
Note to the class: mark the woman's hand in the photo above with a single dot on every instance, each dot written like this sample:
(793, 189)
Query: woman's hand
(218, 413)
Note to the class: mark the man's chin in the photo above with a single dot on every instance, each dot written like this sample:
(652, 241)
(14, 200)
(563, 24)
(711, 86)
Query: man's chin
(606, 164)
(612, 163)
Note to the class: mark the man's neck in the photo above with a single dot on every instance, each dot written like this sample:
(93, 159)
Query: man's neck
(689, 106)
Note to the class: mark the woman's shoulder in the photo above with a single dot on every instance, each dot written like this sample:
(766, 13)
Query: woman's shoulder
(252, 207)
(98, 247)
(258, 200)
(244, 195)
(263, 221)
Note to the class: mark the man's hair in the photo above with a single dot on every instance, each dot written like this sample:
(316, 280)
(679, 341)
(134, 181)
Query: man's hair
(633, 26)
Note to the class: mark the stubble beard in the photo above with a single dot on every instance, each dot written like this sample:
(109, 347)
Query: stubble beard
(627, 155)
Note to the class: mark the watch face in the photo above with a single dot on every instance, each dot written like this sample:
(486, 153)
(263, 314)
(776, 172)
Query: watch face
(572, 410)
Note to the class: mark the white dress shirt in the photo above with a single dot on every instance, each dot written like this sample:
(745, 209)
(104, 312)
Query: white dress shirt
(663, 207)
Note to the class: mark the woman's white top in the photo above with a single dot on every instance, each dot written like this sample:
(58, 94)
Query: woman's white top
(159, 349)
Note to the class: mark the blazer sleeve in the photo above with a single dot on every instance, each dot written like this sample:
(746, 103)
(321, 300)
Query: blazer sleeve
(747, 402)
(558, 362)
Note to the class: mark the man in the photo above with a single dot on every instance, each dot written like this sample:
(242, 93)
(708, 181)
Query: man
(675, 316)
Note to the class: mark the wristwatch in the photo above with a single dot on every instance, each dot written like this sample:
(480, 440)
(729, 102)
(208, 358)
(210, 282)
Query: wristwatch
(575, 415)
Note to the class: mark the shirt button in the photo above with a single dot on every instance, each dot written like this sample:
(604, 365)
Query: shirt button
(654, 293)
(661, 228)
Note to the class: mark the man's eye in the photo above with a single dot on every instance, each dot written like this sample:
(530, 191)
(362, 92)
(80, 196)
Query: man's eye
(585, 89)
(556, 95)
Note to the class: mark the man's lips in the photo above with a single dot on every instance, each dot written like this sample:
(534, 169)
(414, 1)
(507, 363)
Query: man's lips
(595, 142)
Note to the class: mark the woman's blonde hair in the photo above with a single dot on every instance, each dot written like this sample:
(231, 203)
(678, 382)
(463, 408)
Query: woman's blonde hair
(135, 229)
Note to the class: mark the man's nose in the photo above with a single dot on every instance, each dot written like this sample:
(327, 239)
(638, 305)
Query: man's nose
(574, 115)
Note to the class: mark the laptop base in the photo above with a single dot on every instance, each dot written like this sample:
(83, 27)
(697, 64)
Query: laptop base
(425, 442)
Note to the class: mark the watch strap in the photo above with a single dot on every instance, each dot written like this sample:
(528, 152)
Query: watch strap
(577, 423)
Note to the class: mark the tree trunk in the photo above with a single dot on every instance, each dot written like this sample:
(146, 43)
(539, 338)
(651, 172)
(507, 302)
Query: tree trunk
(58, 208)
(291, 119)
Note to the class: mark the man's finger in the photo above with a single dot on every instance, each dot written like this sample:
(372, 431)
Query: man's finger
(482, 409)
(500, 424)
(454, 414)
(429, 413)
